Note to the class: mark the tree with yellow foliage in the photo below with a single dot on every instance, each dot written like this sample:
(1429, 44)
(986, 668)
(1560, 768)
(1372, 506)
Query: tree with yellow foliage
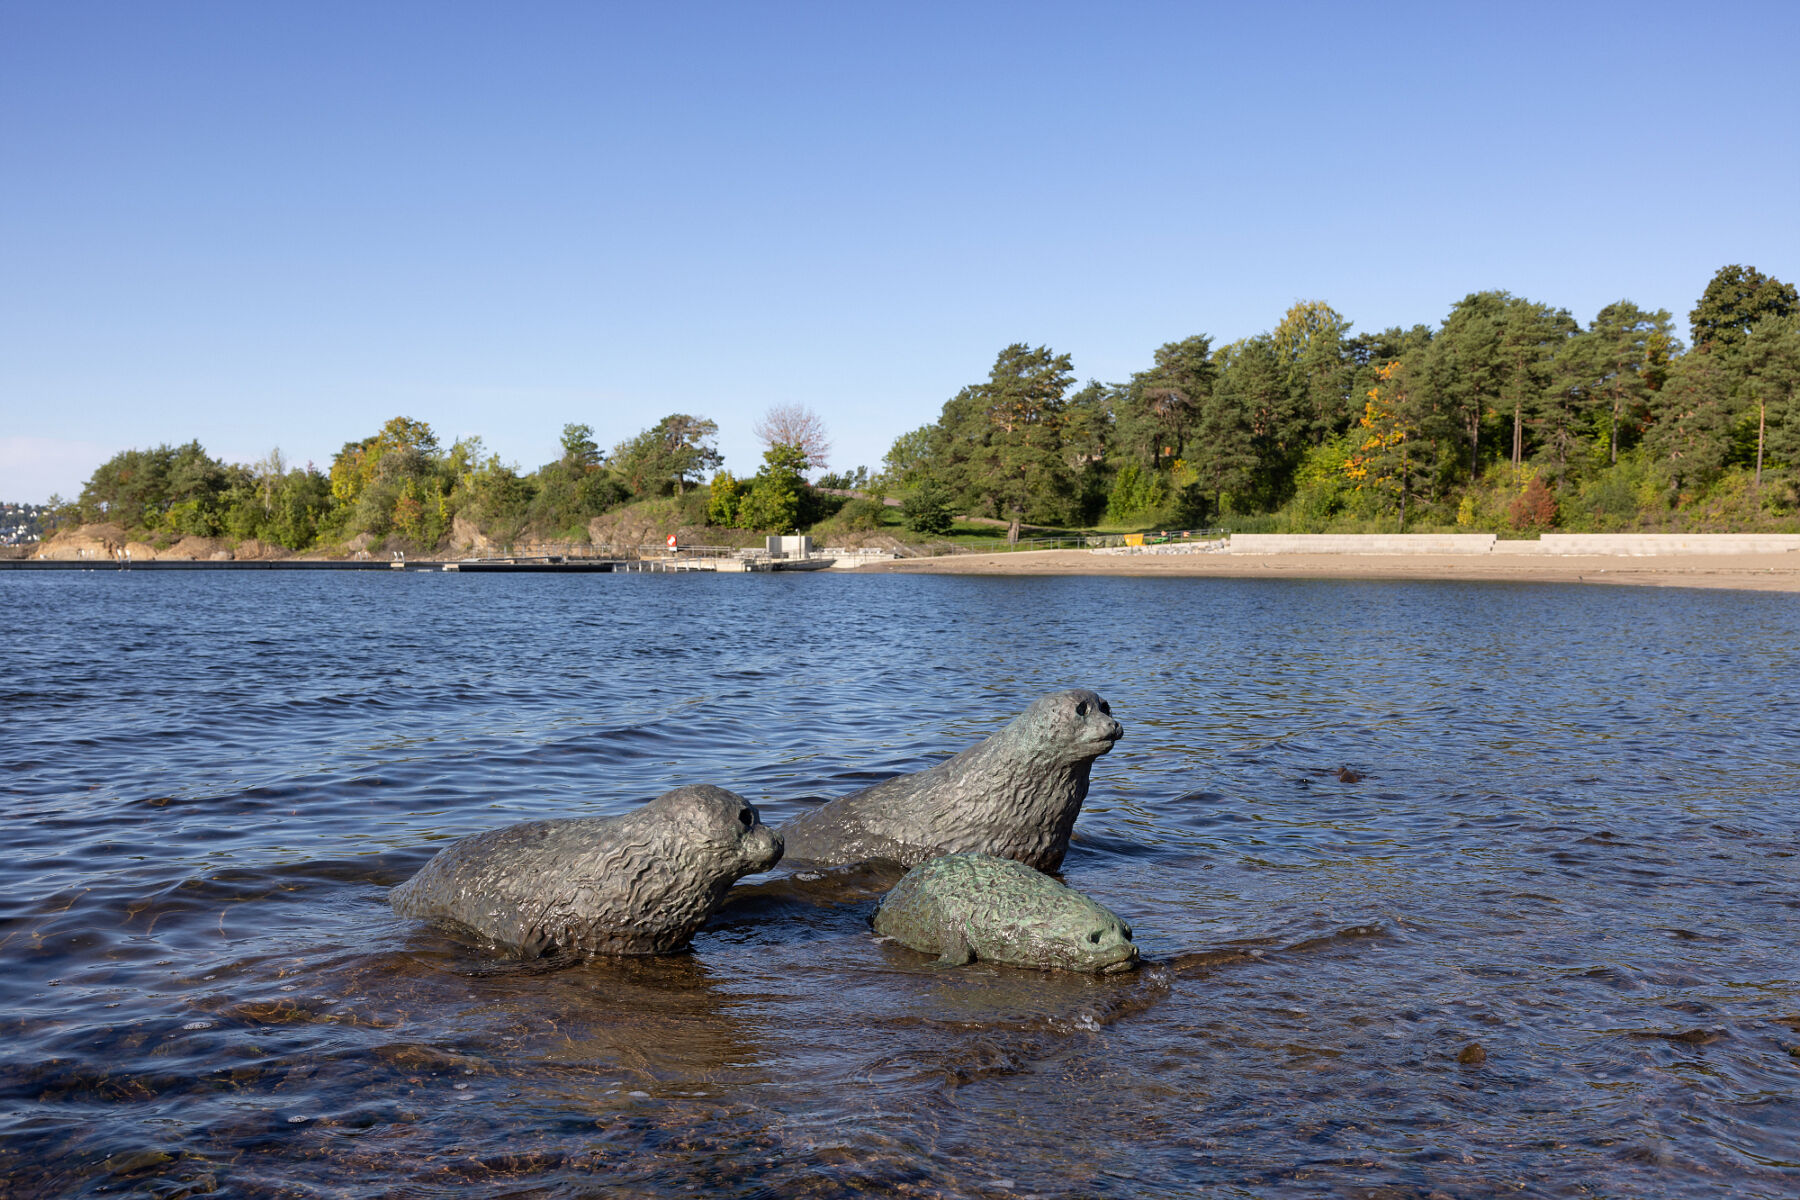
(1382, 460)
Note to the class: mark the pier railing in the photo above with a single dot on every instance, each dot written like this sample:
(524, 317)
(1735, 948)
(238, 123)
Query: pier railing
(607, 550)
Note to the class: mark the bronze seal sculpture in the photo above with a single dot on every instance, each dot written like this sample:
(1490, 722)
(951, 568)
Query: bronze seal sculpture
(641, 883)
(977, 906)
(1017, 795)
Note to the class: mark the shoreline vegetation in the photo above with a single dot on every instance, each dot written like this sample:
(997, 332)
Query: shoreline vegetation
(1509, 418)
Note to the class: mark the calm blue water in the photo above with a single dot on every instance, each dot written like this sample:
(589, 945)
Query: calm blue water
(1572, 844)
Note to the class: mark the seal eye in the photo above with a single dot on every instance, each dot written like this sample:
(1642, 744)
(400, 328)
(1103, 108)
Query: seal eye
(746, 818)
(1081, 709)
(1106, 708)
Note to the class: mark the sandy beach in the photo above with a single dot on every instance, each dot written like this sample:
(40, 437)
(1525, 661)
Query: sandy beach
(1777, 572)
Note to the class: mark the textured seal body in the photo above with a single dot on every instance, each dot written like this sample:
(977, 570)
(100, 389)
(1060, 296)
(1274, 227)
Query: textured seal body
(1017, 795)
(969, 906)
(636, 884)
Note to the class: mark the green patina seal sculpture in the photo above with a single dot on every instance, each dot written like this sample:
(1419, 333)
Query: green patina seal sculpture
(980, 906)
(1017, 794)
(637, 884)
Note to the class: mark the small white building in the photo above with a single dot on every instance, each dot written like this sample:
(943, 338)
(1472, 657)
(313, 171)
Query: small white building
(790, 546)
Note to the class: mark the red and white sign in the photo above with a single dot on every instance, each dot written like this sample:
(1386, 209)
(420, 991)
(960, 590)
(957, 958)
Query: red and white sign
(671, 541)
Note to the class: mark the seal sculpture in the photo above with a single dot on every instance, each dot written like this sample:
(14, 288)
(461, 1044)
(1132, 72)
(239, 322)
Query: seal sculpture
(1017, 795)
(980, 906)
(637, 884)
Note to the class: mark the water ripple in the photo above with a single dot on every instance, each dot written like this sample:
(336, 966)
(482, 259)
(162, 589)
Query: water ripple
(1443, 889)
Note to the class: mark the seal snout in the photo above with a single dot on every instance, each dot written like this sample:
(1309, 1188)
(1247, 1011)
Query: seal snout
(1102, 737)
(1109, 945)
(760, 847)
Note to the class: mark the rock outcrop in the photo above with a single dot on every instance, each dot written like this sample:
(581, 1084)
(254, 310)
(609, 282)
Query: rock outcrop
(466, 538)
(198, 549)
(624, 529)
(101, 542)
(109, 542)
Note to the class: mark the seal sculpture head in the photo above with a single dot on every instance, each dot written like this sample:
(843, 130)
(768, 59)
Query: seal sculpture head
(641, 883)
(1016, 795)
(979, 906)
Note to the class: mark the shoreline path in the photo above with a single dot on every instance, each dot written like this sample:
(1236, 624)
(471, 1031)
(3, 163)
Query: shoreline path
(1772, 572)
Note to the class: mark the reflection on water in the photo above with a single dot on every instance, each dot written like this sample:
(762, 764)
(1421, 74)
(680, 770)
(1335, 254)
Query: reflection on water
(1537, 939)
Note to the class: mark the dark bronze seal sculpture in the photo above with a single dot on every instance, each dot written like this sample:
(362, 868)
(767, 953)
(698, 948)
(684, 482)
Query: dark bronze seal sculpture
(978, 906)
(636, 884)
(1017, 795)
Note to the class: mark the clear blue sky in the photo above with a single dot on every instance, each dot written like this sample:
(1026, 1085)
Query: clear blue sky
(279, 224)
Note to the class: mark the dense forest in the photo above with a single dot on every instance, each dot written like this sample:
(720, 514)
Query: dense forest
(1508, 416)
(401, 489)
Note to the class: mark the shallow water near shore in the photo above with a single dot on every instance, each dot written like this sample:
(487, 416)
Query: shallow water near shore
(1444, 889)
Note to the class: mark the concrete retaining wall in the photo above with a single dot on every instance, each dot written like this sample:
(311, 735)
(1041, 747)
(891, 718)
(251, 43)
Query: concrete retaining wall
(1657, 543)
(1487, 543)
(1360, 543)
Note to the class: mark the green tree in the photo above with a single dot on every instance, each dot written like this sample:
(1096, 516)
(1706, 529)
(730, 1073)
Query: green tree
(927, 509)
(664, 457)
(1464, 371)
(1023, 408)
(397, 481)
(909, 457)
(845, 481)
(1309, 345)
(1156, 414)
(298, 506)
(724, 496)
(1772, 361)
(131, 488)
(493, 494)
(1736, 298)
(1495, 357)
(576, 487)
(1137, 492)
(1224, 455)
(407, 446)
(177, 488)
(270, 501)
(1253, 437)
(777, 498)
(1620, 361)
(1088, 435)
(580, 453)
(1691, 437)
(998, 444)
(1531, 336)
